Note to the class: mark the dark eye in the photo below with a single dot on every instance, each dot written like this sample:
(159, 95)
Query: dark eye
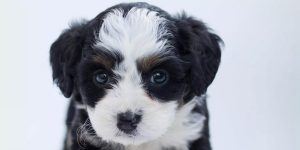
(101, 77)
(159, 77)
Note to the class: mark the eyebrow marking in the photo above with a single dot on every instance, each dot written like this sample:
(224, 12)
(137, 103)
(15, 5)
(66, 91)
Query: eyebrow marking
(107, 59)
(145, 64)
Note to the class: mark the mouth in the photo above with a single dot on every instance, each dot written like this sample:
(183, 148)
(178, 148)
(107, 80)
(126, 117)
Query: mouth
(133, 138)
(132, 134)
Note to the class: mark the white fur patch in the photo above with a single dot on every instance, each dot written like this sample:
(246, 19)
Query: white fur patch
(186, 127)
(137, 34)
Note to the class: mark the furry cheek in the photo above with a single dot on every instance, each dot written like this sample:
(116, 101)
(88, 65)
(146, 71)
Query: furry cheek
(156, 119)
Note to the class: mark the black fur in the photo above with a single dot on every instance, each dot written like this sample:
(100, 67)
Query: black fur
(65, 54)
(197, 50)
(201, 48)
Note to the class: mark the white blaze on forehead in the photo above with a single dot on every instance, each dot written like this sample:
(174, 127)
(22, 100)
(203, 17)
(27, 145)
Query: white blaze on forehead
(137, 34)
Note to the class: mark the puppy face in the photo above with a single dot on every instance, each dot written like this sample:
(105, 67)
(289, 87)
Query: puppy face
(134, 66)
(144, 86)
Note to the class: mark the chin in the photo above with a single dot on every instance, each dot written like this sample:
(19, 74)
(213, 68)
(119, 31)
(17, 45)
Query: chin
(136, 78)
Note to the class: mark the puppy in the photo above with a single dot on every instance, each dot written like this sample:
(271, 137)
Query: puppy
(137, 78)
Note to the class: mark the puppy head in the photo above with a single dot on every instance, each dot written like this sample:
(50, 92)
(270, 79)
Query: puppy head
(134, 66)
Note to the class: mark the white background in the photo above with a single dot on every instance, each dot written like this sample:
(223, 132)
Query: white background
(254, 101)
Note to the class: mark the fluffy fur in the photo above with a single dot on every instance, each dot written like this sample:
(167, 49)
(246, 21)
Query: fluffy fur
(138, 60)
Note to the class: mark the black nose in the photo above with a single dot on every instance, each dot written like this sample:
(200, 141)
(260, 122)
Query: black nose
(128, 121)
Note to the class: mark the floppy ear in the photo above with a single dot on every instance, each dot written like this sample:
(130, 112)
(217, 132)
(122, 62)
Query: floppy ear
(65, 53)
(201, 48)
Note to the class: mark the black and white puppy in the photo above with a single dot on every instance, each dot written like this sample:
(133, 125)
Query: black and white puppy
(137, 79)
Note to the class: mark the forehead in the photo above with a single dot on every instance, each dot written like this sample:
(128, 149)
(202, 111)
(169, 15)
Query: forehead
(134, 34)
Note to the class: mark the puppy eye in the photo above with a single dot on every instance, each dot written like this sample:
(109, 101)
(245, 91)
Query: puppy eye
(101, 77)
(159, 77)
